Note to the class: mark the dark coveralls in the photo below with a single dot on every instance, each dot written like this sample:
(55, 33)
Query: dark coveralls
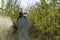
(22, 25)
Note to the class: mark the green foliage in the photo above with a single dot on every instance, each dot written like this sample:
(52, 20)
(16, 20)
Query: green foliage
(57, 37)
(44, 20)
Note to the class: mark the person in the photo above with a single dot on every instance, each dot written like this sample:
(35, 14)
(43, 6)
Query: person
(22, 25)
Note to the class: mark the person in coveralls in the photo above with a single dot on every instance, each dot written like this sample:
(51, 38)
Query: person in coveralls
(22, 25)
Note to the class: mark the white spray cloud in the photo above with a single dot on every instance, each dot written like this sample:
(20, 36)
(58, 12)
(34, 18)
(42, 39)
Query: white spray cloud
(5, 25)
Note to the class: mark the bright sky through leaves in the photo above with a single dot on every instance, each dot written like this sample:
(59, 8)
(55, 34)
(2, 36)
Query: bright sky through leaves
(24, 4)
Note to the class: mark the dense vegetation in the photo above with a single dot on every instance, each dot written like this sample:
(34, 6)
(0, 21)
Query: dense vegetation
(44, 19)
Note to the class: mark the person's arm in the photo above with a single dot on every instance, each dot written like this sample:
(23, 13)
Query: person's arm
(14, 28)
